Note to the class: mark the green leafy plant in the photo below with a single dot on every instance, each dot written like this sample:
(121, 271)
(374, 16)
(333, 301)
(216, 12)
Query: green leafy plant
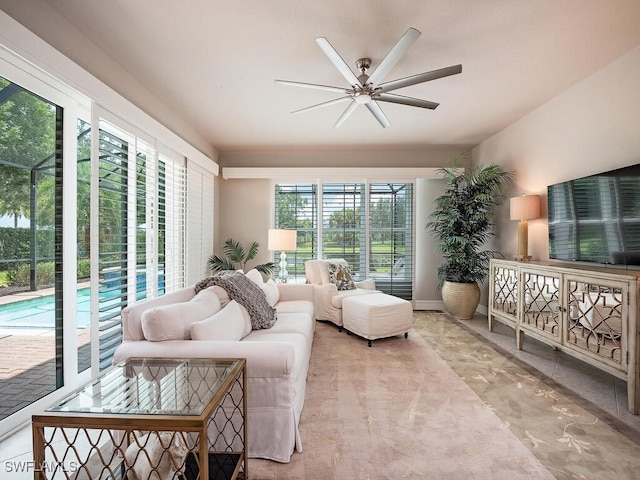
(237, 257)
(462, 221)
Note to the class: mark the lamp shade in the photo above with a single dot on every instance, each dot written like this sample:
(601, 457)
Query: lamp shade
(524, 207)
(282, 240)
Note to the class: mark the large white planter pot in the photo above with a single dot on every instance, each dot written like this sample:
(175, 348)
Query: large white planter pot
(461, 299)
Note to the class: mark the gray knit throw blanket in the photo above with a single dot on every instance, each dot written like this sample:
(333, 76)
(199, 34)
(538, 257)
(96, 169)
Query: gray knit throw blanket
(246, 293)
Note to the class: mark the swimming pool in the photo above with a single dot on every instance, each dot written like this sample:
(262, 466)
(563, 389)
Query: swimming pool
(40, 312)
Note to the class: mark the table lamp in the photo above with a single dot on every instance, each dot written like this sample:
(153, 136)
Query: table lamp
(281, 240)
(523, 208)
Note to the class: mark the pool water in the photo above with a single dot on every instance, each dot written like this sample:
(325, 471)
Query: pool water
(40, 312)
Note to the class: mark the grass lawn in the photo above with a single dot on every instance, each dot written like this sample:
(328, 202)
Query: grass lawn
(4, 280)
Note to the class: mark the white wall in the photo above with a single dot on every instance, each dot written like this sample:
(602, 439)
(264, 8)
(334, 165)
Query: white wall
(245, 213)
(590, 128)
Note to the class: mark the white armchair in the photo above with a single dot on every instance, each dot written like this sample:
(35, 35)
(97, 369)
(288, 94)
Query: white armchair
(327, 297)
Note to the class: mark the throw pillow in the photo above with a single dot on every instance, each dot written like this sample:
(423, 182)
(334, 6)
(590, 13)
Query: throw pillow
(269, 288)
(271, 291)
(223, 296)
(227, 324)
(341, 276)
(173, 321)
(255, 276)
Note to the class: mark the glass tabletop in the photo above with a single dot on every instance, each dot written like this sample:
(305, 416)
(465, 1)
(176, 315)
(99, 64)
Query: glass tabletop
(151, 386)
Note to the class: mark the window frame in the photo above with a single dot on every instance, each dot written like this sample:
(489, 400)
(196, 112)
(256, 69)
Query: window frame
(365, 184)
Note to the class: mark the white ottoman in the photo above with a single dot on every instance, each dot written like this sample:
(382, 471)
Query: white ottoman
(377, 316)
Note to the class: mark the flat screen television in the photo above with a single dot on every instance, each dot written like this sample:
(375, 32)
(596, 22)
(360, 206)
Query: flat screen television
(596, 218)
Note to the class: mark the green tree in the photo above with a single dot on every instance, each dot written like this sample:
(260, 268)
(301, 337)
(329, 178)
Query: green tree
(290, 208)
(27, 137)
(345, 225)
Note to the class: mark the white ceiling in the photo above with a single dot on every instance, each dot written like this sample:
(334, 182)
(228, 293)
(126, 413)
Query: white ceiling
(214, 62)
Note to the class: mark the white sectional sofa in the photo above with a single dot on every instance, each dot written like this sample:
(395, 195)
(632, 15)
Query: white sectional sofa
(173, 326)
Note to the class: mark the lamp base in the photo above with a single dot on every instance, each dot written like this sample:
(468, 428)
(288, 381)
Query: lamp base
(283, 275)
(522, 258)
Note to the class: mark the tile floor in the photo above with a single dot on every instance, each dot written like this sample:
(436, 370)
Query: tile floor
(601, 389)
(604, 391)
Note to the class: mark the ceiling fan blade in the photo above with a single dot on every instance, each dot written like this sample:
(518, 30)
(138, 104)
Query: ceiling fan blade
(352, 106)
(377, 112)
(328, 88)
(414, 102)
(324, 104)
(337, 60)
(419, 78)
(394, 55)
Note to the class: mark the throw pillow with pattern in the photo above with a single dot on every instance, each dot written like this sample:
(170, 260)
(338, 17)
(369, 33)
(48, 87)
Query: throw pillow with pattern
(341, 276)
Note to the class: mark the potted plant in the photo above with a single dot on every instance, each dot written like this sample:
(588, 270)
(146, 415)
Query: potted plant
(237, 257)
(462, 222)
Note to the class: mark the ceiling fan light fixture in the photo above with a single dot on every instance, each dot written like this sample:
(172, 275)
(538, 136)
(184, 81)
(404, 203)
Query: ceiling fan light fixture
(362, 98)
(367, 90)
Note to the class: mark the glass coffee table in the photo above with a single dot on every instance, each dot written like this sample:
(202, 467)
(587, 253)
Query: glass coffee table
(149, 418)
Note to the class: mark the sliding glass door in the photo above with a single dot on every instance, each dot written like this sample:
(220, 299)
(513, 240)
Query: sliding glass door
(31, 181)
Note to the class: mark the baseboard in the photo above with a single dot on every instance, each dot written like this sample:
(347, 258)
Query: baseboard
(438, 305)
(428, 305)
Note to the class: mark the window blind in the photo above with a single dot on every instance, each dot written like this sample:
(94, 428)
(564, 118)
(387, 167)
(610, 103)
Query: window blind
(369, 225)
(391, 237)
(296, 208)
(344, 235)
(200, 184)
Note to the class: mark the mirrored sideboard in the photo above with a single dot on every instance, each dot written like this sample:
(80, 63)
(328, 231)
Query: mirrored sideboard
(589, 313)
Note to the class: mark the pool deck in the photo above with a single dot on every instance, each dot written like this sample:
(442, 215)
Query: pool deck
(26, 295)
(27, 359)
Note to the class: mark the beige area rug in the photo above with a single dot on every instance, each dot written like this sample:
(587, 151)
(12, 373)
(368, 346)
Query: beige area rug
(393, 411)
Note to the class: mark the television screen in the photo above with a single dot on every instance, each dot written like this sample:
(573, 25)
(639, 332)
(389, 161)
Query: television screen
(596, 218)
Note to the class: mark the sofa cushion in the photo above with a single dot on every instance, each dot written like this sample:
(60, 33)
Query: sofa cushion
(173, 321)
(295, 306)
(288, 323)
(301, 356)
(227, 324)
(341, 276)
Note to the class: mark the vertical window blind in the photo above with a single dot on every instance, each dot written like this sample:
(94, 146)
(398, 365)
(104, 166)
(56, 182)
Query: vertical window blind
(391, 237)
(141, 225)
(199, 221)
(344, 233)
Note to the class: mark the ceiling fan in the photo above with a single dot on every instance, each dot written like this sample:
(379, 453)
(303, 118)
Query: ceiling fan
(367, 90)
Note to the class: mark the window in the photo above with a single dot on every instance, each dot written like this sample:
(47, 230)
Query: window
(369, 225)
(296, 209)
